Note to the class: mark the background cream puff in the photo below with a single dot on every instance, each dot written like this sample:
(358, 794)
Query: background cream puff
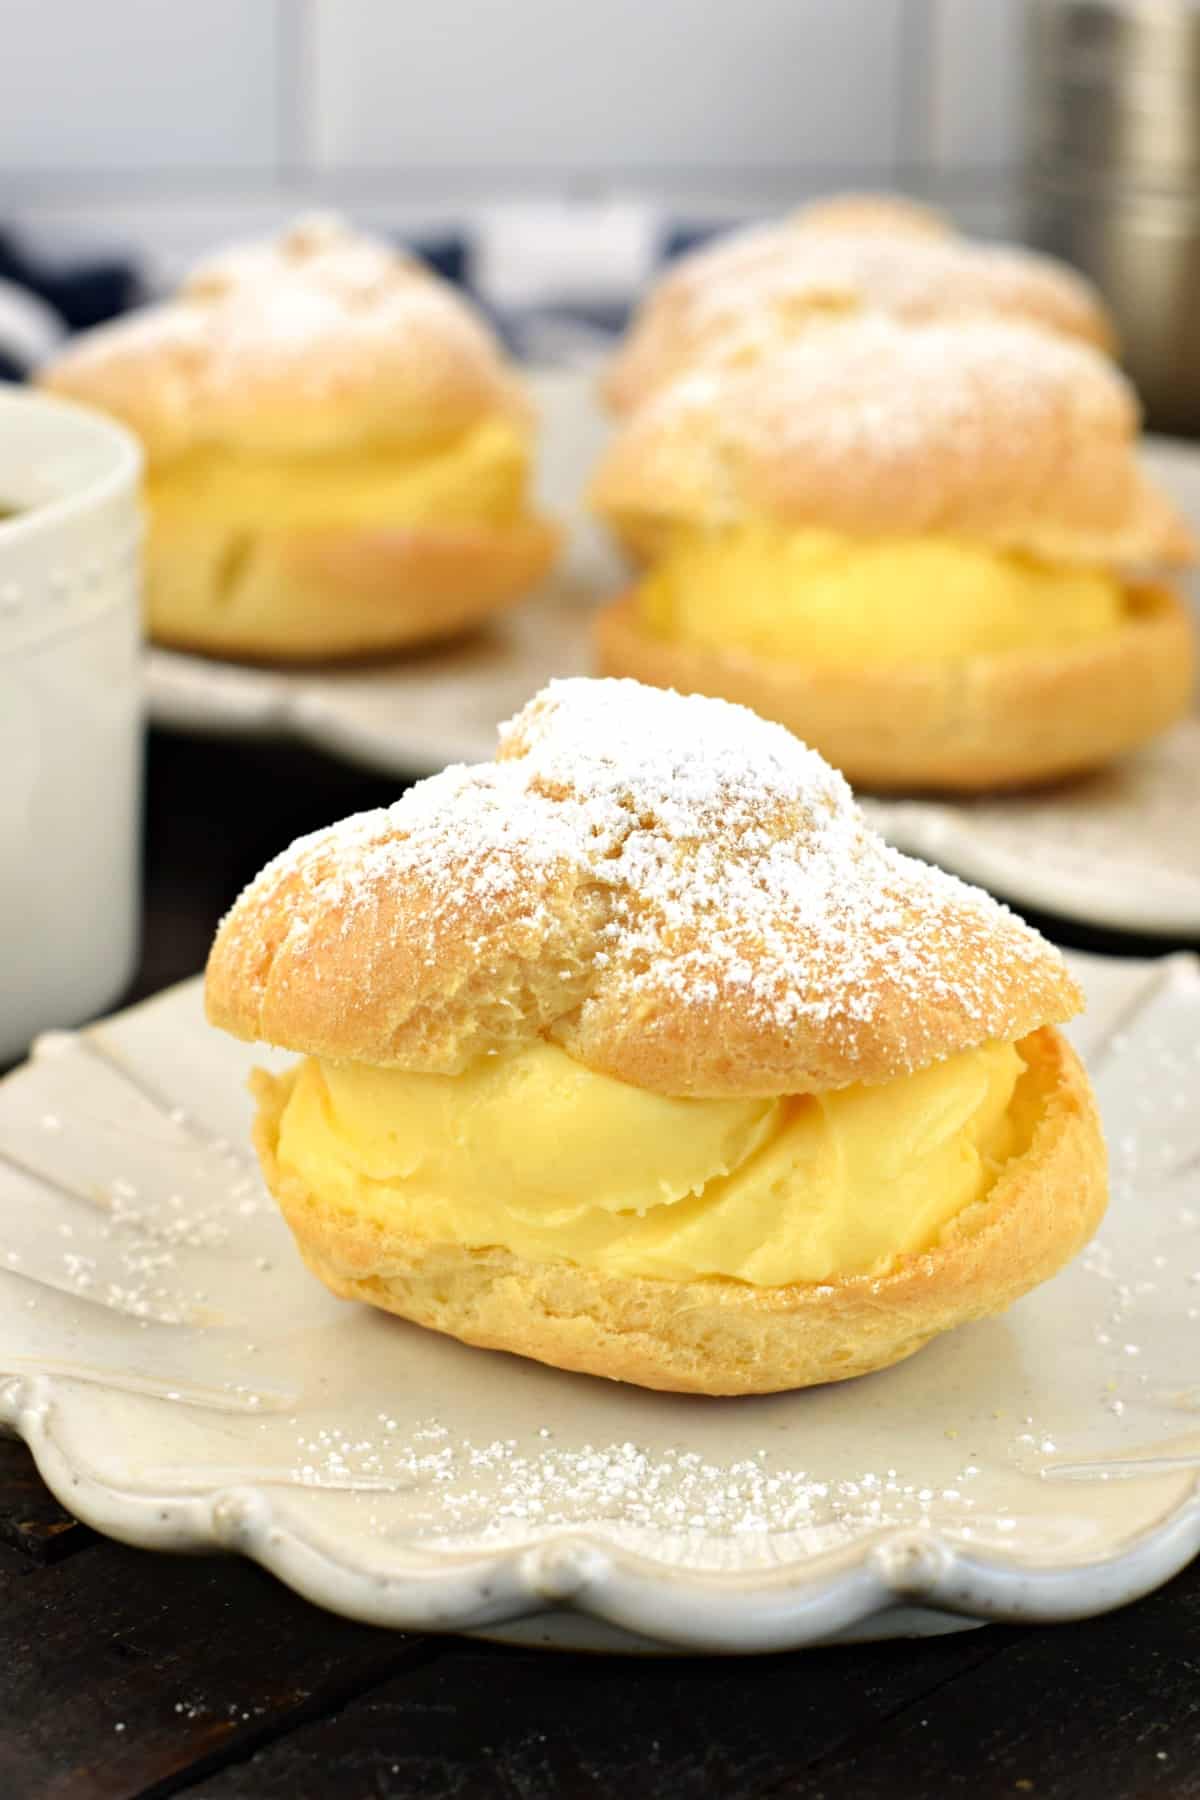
(750, 293)
(337, 453)
(924, 549)
(868, 213)
(636, 1052)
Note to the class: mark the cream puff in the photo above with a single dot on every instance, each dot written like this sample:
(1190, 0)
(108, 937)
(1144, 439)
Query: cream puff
(865, 214)
(637, 1052)
(337, 452)
(742, 298)
(923, 549)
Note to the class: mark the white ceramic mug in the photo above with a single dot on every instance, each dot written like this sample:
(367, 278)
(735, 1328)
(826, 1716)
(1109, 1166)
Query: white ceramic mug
(70, 713)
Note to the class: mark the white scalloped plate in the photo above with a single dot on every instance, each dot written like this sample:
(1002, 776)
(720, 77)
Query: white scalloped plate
(184, 1384)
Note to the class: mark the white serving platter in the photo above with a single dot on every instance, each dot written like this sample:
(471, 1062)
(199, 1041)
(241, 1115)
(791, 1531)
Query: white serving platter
(185, 1384)
(1120, 848)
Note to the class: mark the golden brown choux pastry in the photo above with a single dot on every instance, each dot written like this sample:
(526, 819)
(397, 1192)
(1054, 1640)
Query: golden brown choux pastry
(637, 1052)
(742, 298)
(865, 214)
(926, 550)
(337, 452)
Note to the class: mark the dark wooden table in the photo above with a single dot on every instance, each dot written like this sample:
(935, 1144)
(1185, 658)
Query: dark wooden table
(124, 1673)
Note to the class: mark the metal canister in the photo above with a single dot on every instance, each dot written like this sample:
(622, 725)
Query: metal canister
(1113, 176)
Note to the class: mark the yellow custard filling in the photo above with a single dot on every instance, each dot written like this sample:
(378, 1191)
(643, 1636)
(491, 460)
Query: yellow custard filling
(479, 478)
(817, 596)
(534, 1153)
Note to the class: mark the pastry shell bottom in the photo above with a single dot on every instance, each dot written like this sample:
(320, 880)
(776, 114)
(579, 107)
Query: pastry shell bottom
(309, 595)
(716, 1335)
(1007, 720)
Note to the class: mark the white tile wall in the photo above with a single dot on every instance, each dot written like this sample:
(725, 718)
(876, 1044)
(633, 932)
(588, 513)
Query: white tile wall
(651, 85)
(143, 87)
(158, 120)
(973, 119)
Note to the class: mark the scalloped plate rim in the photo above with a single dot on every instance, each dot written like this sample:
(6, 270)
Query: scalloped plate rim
(872, 1582)
(796, 1605)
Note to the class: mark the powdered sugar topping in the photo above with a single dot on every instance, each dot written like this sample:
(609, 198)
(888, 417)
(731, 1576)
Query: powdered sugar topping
(766, 280)
(315, 287)
(737, 878)
(309, 324)
(872, 387)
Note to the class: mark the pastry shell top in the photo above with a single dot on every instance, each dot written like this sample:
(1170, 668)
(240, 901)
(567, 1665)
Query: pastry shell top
(864, 214)
(317, 341)
(758, 289)
(679, 893)
(986, 430)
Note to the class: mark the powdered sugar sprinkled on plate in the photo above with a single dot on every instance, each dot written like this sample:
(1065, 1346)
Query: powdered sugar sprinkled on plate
(498, 1489)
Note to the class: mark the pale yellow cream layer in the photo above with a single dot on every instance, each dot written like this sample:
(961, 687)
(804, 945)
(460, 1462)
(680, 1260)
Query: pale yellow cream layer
(813, 596)
(534, 1153)
(478, 478)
